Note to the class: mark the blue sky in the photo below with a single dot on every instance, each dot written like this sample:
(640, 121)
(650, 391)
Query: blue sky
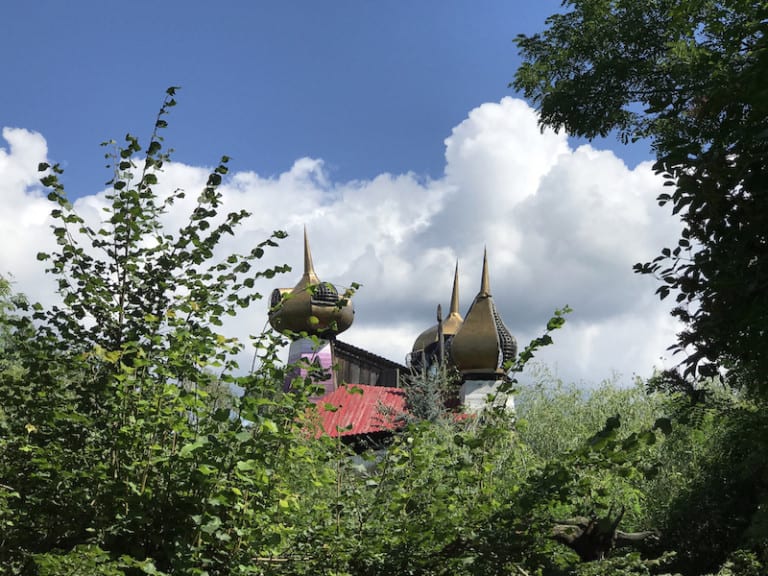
(370, 87)
(387, 128)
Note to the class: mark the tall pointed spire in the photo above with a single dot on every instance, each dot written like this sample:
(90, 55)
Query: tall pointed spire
(455, 295)
(485, 283)
(453, 321)
(309, 268)
(432, 340)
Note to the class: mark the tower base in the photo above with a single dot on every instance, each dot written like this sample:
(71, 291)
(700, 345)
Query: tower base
(475, 395)
(307, 352)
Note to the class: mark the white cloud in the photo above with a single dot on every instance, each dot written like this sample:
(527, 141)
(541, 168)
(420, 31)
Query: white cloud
(24, 212)
(561, 226)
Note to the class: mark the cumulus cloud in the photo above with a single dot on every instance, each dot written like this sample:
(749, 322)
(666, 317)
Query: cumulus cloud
(561, 226)
(24, 212)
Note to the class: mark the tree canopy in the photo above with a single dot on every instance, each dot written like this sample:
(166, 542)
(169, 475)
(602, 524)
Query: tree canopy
(692, 77)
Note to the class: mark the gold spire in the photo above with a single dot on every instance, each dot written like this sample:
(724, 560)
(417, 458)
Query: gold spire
(485, 283)
(450, 325)
(309, 278)
(453, 322)
(455, 294)
(483, 344)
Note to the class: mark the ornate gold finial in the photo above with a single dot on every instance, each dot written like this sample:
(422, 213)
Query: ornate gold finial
(483, 344)
(311, 306)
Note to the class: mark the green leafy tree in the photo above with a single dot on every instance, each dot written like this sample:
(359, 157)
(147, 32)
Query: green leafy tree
(692, 77)
(119, 452)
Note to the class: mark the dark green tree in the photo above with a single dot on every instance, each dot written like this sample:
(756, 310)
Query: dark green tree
(691, 76)
(708, 498)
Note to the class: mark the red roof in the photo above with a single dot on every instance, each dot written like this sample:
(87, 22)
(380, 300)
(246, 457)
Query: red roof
(361, 409)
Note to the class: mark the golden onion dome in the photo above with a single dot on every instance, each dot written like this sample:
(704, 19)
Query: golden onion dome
(450, 325)
(483, 344)
(312, 306)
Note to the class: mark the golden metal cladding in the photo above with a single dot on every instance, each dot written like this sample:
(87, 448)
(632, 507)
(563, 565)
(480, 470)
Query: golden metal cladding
(483, 344)
(311, 306)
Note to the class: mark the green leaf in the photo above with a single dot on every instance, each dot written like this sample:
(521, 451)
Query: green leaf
(246, 465)
(188, 450)
(213, 524)
(269, 426)
(206, 470)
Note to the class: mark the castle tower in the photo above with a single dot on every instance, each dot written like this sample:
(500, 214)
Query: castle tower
(481, 348)
(433, 345)
(311, 314)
